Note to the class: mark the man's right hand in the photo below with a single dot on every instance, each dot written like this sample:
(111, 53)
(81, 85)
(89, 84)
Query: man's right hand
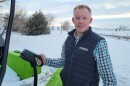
(43, 58)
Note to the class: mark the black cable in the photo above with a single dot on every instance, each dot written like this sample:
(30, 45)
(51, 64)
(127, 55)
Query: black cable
(35, 75)
(7, 40)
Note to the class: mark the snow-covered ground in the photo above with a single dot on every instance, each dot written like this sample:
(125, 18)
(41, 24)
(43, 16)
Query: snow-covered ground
(113, 32)
(51, 46)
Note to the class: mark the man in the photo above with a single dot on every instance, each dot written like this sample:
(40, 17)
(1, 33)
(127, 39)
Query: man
(85, 55)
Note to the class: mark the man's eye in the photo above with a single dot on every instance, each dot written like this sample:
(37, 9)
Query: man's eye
(77, 18)
(84, 18)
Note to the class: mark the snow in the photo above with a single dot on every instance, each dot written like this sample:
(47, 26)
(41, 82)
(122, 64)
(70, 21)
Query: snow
(51, 46)
(113, 32)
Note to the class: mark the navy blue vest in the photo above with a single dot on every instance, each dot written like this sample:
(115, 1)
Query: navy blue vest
(80, 67)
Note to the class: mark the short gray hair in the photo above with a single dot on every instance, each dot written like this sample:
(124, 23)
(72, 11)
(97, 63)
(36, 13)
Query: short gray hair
(81, 6)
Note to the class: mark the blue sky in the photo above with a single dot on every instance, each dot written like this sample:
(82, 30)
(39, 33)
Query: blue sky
(106, 13)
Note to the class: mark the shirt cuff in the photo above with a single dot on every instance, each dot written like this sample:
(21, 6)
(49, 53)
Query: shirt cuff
(47, 61)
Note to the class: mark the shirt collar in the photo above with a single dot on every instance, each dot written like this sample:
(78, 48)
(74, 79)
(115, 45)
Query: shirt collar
(76, 36)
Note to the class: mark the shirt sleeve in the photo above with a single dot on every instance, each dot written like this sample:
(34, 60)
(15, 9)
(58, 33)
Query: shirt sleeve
(57, 62)
(104, 64)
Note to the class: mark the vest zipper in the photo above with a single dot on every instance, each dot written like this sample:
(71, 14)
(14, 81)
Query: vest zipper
(69, 69)
(71, 63)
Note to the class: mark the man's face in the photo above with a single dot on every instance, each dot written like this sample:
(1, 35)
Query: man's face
(82, 19)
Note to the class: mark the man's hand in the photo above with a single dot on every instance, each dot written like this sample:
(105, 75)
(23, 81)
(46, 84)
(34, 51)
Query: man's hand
(43, 58)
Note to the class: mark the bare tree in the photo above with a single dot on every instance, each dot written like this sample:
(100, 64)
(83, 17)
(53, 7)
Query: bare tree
(49, 18)
(18, 22)
(2, 1)
(66, 25)
(121, 27)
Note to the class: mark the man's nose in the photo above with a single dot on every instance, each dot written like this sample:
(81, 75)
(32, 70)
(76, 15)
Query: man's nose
(80, 20)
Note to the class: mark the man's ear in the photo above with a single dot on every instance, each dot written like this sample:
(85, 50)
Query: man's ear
(73, 19)
(91, 20)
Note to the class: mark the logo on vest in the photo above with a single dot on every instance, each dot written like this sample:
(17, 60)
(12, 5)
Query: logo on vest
(82, 48)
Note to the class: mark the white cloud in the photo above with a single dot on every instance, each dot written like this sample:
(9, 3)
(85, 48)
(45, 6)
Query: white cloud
(44, 11)
(110, 6)
(58, 21)
(126, 15)
(124, 4)
(67, 0)
(56, 11)
(48, 7)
